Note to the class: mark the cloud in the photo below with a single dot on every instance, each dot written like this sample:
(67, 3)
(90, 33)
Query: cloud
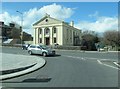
(7, 18)
(96, 14)
(35, 14)
(57, 11)
(101, 24)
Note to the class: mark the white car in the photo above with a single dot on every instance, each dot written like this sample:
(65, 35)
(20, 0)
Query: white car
(40, 49)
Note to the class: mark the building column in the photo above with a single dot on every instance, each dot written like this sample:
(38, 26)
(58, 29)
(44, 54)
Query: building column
(37, 36)
(43, 35)
(34, 39)
(56, 35)
(51, 36)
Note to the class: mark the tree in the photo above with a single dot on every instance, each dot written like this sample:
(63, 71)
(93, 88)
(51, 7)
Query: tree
(112, 38)
(89, 39)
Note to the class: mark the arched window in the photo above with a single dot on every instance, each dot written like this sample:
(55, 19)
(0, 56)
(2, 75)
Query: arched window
(54, 30)
(47, 30)
(40, 31)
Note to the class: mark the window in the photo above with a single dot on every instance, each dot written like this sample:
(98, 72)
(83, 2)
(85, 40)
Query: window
(38, 47)
(47, 31)
(54, 30)
(46, 20)
(32, 46)
(40, 40)
(54, 40)
(40, 31)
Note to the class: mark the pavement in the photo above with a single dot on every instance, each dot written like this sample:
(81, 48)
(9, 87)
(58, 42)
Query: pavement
(89, 51)
(67, 69)
(13, 65)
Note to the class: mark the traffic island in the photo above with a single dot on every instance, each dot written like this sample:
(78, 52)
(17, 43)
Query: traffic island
(109, 63)
(14, 65)
(117, 64)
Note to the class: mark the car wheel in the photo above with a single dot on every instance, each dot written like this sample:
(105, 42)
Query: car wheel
(44, 54)
(30, 52)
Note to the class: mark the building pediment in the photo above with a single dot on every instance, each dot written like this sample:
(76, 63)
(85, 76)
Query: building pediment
(47, 20)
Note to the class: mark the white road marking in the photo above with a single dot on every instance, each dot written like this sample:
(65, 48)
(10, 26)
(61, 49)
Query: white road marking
(98, 60)
(107, 65)
(84, 58)
(80, 58)
(116, 64)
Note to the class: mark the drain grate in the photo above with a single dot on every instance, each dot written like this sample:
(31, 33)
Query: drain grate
(34, 80)
(39, 78)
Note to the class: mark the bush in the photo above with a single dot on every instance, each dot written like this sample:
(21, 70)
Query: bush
(68, 47)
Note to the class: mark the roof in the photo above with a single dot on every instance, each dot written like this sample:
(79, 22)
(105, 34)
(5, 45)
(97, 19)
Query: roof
(47, 16)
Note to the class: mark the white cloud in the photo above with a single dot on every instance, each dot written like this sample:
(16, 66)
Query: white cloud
(34, 14)
(7, 18)
(96, 14)
(100, 25)
(57, 11)
(60, 12)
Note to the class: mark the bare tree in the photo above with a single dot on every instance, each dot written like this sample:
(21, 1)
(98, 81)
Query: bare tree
(89, 39)
(112, 38)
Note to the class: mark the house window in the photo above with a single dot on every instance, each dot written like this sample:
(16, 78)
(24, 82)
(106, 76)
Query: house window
(47, 31)
(40, 31)
(46, 20)
(54, 30)
(40, 40)
(54, 40)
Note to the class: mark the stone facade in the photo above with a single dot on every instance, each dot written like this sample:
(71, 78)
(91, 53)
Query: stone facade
(51, 31)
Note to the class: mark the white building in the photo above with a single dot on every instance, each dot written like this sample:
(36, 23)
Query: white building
(49, 31)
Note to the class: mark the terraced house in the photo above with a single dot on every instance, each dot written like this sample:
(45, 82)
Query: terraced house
(50, 31)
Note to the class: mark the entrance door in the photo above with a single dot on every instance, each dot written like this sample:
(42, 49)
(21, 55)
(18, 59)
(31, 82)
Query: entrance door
(47, 41)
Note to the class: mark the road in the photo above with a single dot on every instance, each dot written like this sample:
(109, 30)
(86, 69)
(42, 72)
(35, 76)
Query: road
(70, 69)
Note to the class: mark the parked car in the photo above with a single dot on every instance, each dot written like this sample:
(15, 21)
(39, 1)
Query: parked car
(40, 49)
(55, 45)
(25, 46)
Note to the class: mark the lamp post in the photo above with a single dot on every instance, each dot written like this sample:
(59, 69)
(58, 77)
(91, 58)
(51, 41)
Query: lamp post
(21, 26)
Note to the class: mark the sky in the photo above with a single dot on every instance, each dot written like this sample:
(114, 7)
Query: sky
(94, 16)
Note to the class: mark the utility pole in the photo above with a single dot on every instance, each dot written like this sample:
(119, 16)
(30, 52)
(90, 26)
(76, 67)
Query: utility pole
(21, 27)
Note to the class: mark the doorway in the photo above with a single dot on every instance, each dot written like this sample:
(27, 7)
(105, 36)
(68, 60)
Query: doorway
(48, 41)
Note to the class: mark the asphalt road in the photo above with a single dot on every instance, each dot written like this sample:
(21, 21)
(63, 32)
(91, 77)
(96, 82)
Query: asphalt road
(70, 69)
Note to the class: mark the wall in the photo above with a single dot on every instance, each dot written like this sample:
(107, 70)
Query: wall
(68, 34)
(58, 34)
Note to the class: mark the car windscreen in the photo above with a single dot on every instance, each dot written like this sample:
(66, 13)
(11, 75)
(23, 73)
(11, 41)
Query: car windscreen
(44, 46)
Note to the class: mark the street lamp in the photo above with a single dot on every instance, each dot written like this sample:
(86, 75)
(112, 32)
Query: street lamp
(21, 26)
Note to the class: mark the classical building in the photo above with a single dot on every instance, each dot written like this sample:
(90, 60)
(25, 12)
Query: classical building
(50, 31)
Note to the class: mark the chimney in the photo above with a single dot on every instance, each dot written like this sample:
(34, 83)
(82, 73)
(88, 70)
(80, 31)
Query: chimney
(72, 23)
(47, 15)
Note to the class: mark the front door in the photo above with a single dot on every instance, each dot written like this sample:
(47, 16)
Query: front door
(47, 41)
